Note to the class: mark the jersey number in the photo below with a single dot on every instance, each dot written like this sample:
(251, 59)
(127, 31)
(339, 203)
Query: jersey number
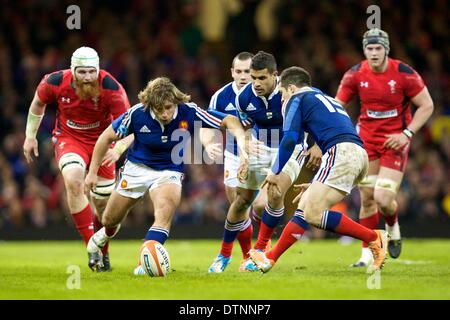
(331, 104)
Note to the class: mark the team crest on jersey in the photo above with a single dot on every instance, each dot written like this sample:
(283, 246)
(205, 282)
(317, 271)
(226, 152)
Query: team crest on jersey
(392, 84)
(227, 173)
(123, 184)
(184, 125)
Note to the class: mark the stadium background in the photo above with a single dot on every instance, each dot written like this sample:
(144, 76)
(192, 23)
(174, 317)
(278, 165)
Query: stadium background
(193, 42)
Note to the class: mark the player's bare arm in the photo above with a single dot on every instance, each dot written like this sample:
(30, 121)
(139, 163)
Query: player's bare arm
(233, 124)
(101, 147)
(424, 110)
(112, 155)
(35, 115)
(211, 141)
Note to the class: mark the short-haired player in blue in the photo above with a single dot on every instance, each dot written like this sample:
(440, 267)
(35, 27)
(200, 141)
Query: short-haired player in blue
(224, 100)
(259, 107)
(161, 124)
(344, 164)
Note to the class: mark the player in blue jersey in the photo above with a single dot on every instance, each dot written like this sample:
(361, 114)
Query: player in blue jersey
(224, 100)
(344, 164)
(259, 107)
(162, 124)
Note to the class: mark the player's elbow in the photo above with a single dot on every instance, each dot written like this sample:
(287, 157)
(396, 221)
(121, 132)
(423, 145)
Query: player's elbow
(230, 122)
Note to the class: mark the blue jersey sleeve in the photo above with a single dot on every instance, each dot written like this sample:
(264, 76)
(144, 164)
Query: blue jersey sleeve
(291, 131)
(122, 124)
(213, 103)
(210, 118)
(245, 119)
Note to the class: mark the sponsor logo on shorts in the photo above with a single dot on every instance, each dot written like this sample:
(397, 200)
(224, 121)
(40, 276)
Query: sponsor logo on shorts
(123, 184)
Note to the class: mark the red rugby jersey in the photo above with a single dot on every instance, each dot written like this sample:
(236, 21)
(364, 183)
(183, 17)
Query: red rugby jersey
(83, 120)
(385, 97)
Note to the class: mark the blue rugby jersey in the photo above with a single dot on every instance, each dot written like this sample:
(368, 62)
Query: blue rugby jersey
(160, 146)
(263, 114)
(224, 101)
(320, 115)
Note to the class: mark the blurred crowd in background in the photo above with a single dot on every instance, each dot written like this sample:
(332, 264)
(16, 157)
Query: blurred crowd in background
(193, 43)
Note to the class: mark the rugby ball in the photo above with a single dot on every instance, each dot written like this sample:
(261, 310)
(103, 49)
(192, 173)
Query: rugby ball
(155, 259)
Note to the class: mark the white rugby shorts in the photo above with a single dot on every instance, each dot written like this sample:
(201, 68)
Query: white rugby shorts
(343, 166)
(136, 178)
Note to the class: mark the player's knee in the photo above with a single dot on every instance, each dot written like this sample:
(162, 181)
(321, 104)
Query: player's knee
(384, 200)
(368, 205)
(109, 221)
(275, 200)
(241, 203)
(384, 203)
(75, 187)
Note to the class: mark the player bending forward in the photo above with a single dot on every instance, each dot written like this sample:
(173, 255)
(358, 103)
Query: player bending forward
(344, 164)
(160, 124)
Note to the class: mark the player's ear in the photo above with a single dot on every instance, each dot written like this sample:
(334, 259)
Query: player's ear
(291, 88)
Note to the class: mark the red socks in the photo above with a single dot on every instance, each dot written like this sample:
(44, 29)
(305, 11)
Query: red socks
(291, 233)
(370, 222)
(391, 220)
(351, 228)
(83, 223)
(245, 239)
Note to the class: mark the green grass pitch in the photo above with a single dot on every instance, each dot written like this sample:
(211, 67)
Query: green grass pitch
(309, 270)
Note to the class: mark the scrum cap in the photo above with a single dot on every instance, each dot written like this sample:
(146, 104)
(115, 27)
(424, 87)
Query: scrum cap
(84, 57)
(376, 36)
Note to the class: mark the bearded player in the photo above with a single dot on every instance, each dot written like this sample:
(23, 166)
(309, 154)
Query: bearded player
(386, 88)
(88, 100)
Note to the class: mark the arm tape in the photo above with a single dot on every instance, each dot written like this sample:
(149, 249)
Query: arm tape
(33, 123)
(120, 147)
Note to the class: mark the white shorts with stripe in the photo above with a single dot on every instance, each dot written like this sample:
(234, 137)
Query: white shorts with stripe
(258, 172)
(230, 169)
(136, 178)
(343, 166)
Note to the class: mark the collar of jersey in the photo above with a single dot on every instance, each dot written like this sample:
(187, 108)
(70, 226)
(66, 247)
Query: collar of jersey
(152, 114)
(304, 89)
(235, 88)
